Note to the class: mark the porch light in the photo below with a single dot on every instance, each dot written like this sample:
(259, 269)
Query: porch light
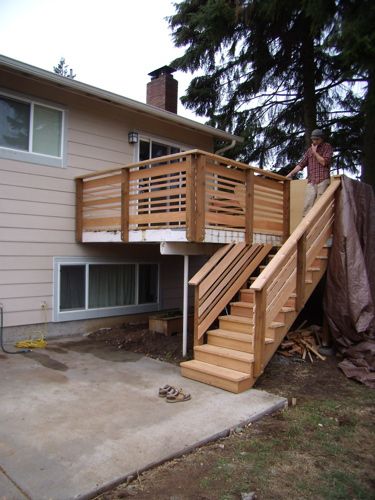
(133, 137)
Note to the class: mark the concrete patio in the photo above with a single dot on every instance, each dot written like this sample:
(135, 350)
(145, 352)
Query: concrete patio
(81, 416)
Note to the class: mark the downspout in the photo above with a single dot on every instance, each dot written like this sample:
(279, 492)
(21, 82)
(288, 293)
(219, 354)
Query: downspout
(226, 148)
(185, 306)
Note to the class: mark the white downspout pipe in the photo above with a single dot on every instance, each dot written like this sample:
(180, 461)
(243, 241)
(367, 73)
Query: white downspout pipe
(185, 307)
(225, 148)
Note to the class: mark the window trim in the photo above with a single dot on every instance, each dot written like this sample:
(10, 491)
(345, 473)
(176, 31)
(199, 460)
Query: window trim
(102, 311)
(30, 156)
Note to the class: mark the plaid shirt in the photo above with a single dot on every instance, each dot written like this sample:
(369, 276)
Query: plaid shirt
(316, 172)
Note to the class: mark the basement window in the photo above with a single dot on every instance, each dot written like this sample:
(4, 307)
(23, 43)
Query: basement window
(95, 289)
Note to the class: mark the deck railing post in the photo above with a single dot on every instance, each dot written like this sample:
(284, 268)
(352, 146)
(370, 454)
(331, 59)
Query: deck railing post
(191, 175)
(125, 205)
(286, 210)
(200, 197)
(259, 331)
(301, 272)
(197, 340)
(79, 210)
(249, 206)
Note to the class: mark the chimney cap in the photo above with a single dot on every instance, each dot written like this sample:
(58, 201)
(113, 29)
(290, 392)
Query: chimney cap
(164, 70)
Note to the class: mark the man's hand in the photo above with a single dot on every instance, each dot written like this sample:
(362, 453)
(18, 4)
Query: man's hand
(314, 148)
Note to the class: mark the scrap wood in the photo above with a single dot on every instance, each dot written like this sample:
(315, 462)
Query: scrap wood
(314, 351)
(303, 342)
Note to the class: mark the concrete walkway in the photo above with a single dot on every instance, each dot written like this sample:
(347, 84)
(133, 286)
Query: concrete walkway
(79, 417)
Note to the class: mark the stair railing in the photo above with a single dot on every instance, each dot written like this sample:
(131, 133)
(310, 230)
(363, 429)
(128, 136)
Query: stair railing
(286, 273)
(218, 281)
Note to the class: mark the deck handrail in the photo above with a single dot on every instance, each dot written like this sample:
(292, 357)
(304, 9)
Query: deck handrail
(287, 270)
(220, 279)
(280, 257)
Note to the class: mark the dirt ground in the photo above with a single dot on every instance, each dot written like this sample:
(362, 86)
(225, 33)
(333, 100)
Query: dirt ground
(320, 447)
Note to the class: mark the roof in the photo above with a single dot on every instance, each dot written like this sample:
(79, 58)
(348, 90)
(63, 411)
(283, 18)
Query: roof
(83, 88)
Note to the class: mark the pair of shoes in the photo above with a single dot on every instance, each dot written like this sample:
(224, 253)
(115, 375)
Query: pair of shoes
(168, 390)
(173, 395)
(178, 398)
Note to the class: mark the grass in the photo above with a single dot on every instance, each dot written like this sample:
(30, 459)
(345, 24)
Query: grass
(319, 449)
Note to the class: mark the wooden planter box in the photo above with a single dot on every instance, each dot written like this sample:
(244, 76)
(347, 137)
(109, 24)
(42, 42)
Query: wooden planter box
(169, 324)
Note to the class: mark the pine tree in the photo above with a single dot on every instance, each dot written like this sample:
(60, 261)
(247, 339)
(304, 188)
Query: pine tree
(355, 42)
(63, 69)
(271, 74)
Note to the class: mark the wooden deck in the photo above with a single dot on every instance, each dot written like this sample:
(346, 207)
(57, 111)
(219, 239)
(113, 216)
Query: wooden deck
(192, 196)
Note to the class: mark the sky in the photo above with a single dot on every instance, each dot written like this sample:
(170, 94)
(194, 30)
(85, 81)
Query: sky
(110, 44)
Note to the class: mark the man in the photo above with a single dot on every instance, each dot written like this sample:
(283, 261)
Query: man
(318, 160)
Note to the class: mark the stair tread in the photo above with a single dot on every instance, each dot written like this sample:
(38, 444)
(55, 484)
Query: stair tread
(277, 324)
(237, 319)
(248, 305)
(224, 351)
(246, 337)
(215, 370)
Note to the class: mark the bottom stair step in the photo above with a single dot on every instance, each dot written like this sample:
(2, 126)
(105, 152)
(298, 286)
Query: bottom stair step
(229, 380)
(227, 358)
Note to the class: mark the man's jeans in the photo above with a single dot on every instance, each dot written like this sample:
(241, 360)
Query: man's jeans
(313, 192)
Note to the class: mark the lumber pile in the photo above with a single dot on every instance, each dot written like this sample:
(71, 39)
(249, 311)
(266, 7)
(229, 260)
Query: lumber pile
(302, 343)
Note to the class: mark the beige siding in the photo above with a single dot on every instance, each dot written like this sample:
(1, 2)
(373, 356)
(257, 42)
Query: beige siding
(37, 203)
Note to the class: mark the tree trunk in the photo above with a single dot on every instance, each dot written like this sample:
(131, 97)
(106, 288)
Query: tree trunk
(308, 78)
(368, 164)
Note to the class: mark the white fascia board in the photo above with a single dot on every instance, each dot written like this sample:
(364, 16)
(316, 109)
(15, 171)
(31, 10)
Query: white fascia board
(89, 90)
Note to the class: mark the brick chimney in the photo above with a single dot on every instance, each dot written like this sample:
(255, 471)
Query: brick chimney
(162, 89)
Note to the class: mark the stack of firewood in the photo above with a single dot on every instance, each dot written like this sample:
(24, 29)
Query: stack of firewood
(303, 343)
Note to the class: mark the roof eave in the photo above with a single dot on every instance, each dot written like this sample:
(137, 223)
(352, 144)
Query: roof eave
(80, 87)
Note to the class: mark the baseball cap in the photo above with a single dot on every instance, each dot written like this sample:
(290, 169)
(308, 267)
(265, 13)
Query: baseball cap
(317, 133)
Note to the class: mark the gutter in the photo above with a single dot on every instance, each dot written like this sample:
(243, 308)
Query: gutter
(83, 88)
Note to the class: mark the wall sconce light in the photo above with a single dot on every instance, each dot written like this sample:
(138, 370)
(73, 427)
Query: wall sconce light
(133, 137)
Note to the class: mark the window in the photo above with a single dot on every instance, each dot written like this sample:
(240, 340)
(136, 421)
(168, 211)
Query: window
(95, 289)
(30, 131)
(149, 148)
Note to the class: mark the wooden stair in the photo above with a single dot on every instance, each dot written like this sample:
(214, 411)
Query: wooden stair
(235, 354)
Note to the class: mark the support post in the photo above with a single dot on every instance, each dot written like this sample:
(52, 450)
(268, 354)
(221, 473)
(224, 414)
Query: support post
(125, 205)
(301, 272)
(200, 187)
(191, 172)
(249, 207)
(185, 306)
(259, 331)
(79, 210)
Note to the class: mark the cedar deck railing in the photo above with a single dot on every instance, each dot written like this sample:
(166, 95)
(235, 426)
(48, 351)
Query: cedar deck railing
(218, 281)
(287, 271)
(193, 191)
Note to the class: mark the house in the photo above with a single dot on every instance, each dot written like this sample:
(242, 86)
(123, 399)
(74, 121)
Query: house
(109, 205)
(54, 129)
